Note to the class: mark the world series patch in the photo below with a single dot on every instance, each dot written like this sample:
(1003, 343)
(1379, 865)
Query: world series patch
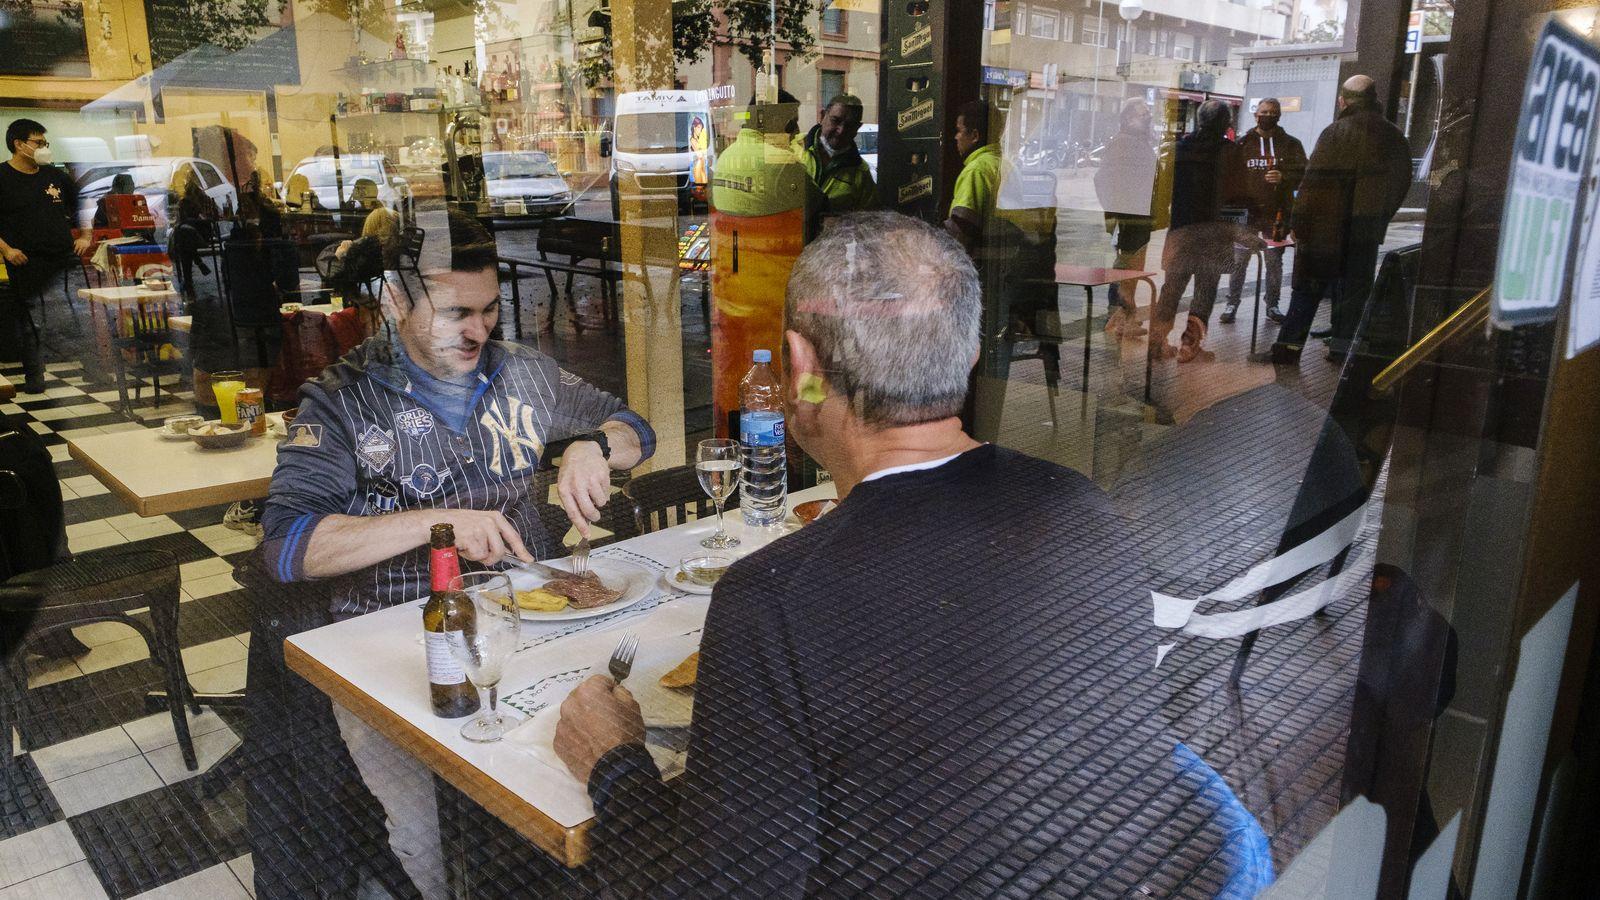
(414, 423)
(375, 447)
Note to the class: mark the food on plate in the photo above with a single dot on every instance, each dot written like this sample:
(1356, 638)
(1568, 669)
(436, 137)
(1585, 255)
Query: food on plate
(812, 510)
(209, 429)
(586, 591)
(684, 673)
(541, 600)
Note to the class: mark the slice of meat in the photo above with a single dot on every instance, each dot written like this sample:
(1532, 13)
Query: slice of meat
(585, 591)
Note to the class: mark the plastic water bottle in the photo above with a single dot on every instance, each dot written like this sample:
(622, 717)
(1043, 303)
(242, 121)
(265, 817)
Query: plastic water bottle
(764, 480)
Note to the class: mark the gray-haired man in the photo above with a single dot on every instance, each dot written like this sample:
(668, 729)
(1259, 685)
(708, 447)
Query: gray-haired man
(914, 694)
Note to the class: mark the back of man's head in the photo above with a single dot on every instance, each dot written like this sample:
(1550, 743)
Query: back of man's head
(1214, 117)
(1359, 90)
(892, 306)
(21, 130)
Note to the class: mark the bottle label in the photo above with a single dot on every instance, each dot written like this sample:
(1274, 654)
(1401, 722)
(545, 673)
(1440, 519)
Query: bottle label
(761, 428)
(442, 667)
(443, 566)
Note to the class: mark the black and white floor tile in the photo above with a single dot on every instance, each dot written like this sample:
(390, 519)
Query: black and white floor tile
(102, 806)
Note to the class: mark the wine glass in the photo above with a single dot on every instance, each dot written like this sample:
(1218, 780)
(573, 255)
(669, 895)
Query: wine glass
(717, 463)
(489, 637)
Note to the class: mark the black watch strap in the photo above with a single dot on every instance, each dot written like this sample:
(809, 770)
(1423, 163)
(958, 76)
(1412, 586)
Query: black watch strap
(599, 437)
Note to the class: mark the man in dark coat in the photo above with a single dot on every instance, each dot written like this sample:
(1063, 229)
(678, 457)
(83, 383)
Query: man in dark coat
(1207, 220)
(1356, 179)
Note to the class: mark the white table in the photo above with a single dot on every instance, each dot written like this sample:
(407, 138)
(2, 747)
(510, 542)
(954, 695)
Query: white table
(186, 323)
(155, 475)
(373, 665)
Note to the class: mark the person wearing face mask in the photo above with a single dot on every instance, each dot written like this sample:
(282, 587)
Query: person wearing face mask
(38, 209)
(832, 161)
(1274, 162)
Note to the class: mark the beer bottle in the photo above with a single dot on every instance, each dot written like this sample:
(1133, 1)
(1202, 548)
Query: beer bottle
(453, 695)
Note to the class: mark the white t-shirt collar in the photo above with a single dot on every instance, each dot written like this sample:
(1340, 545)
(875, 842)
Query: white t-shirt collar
(910, 467)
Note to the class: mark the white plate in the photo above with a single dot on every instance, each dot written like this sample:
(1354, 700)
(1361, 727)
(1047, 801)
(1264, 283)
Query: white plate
(171, 435)
(635, 581)
(677, 581)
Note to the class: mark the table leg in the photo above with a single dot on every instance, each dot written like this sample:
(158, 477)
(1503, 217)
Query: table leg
(516, 301)
(1088, 332)
(1149, 341)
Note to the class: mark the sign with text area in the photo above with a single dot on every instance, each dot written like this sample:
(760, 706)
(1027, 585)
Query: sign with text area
(1553, 145)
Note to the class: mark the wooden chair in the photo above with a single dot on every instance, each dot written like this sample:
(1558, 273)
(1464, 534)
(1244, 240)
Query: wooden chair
(655, 498)
(136, 350)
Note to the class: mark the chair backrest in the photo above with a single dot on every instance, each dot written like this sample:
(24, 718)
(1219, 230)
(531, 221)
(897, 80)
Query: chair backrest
(580, 239)
(411, 240)
(658, 497)
(150, 324)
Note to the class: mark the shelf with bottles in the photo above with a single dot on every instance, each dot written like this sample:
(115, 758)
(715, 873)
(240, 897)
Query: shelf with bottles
(409, 114)
(356, 67)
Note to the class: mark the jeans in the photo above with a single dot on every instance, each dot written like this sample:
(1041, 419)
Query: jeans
(1348, 288)
(404, 787)
(1273, 260)
(28, 284)
(1177, 281)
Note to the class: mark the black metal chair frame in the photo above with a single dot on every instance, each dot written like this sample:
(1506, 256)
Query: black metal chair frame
(55, 599)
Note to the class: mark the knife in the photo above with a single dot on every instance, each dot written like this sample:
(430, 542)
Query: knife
(544, 569)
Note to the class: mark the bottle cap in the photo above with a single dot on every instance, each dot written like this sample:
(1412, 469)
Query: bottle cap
(761, 356)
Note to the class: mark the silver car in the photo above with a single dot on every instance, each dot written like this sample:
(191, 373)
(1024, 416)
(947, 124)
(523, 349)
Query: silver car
(525, 184)
(155, 178)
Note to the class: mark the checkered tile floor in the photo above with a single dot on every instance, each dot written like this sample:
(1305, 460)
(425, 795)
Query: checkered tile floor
(103, 806)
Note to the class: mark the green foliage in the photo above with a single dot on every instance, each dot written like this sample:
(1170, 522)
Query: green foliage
(694, 27)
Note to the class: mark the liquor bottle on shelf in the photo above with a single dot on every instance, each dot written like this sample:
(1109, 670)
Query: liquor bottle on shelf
(446, 611)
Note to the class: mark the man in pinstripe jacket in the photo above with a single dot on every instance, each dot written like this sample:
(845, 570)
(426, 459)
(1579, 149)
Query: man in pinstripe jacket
(433, 423)
(437, 424)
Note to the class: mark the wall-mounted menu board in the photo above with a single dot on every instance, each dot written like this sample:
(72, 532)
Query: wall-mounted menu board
(43, 37)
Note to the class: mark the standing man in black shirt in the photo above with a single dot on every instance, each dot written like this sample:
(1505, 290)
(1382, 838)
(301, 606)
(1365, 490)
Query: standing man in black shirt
(38, 206)
(1274, 161)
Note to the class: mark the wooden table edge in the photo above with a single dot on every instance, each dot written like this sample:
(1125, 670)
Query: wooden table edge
(139, 505)
(569, 845)
(173, 501)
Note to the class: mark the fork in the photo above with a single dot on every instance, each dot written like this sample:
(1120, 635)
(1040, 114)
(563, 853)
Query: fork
(580, 557)
(621, 665)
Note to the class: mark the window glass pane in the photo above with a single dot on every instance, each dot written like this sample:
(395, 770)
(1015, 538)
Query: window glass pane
(1105, 454)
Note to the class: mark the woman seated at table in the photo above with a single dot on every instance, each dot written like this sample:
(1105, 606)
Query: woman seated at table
(941, 687)
(436, 424)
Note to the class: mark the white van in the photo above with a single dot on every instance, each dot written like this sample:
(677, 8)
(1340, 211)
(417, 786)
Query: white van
(662, 143)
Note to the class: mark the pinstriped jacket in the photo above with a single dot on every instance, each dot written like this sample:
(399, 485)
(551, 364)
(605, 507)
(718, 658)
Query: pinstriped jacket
(364, 445)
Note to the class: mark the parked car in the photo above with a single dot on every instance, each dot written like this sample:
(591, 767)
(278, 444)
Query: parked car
(330, 181)
(867, 143)
(525, 184)
(157, 179)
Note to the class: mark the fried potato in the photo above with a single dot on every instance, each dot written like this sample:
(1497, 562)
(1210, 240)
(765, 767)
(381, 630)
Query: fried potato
(541, 600)
(683, 674)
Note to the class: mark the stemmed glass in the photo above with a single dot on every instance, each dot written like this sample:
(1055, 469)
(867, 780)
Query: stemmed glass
(484, 644)
(717, 463)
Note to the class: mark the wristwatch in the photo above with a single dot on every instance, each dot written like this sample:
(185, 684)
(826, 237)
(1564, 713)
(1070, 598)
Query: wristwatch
(599, 437)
